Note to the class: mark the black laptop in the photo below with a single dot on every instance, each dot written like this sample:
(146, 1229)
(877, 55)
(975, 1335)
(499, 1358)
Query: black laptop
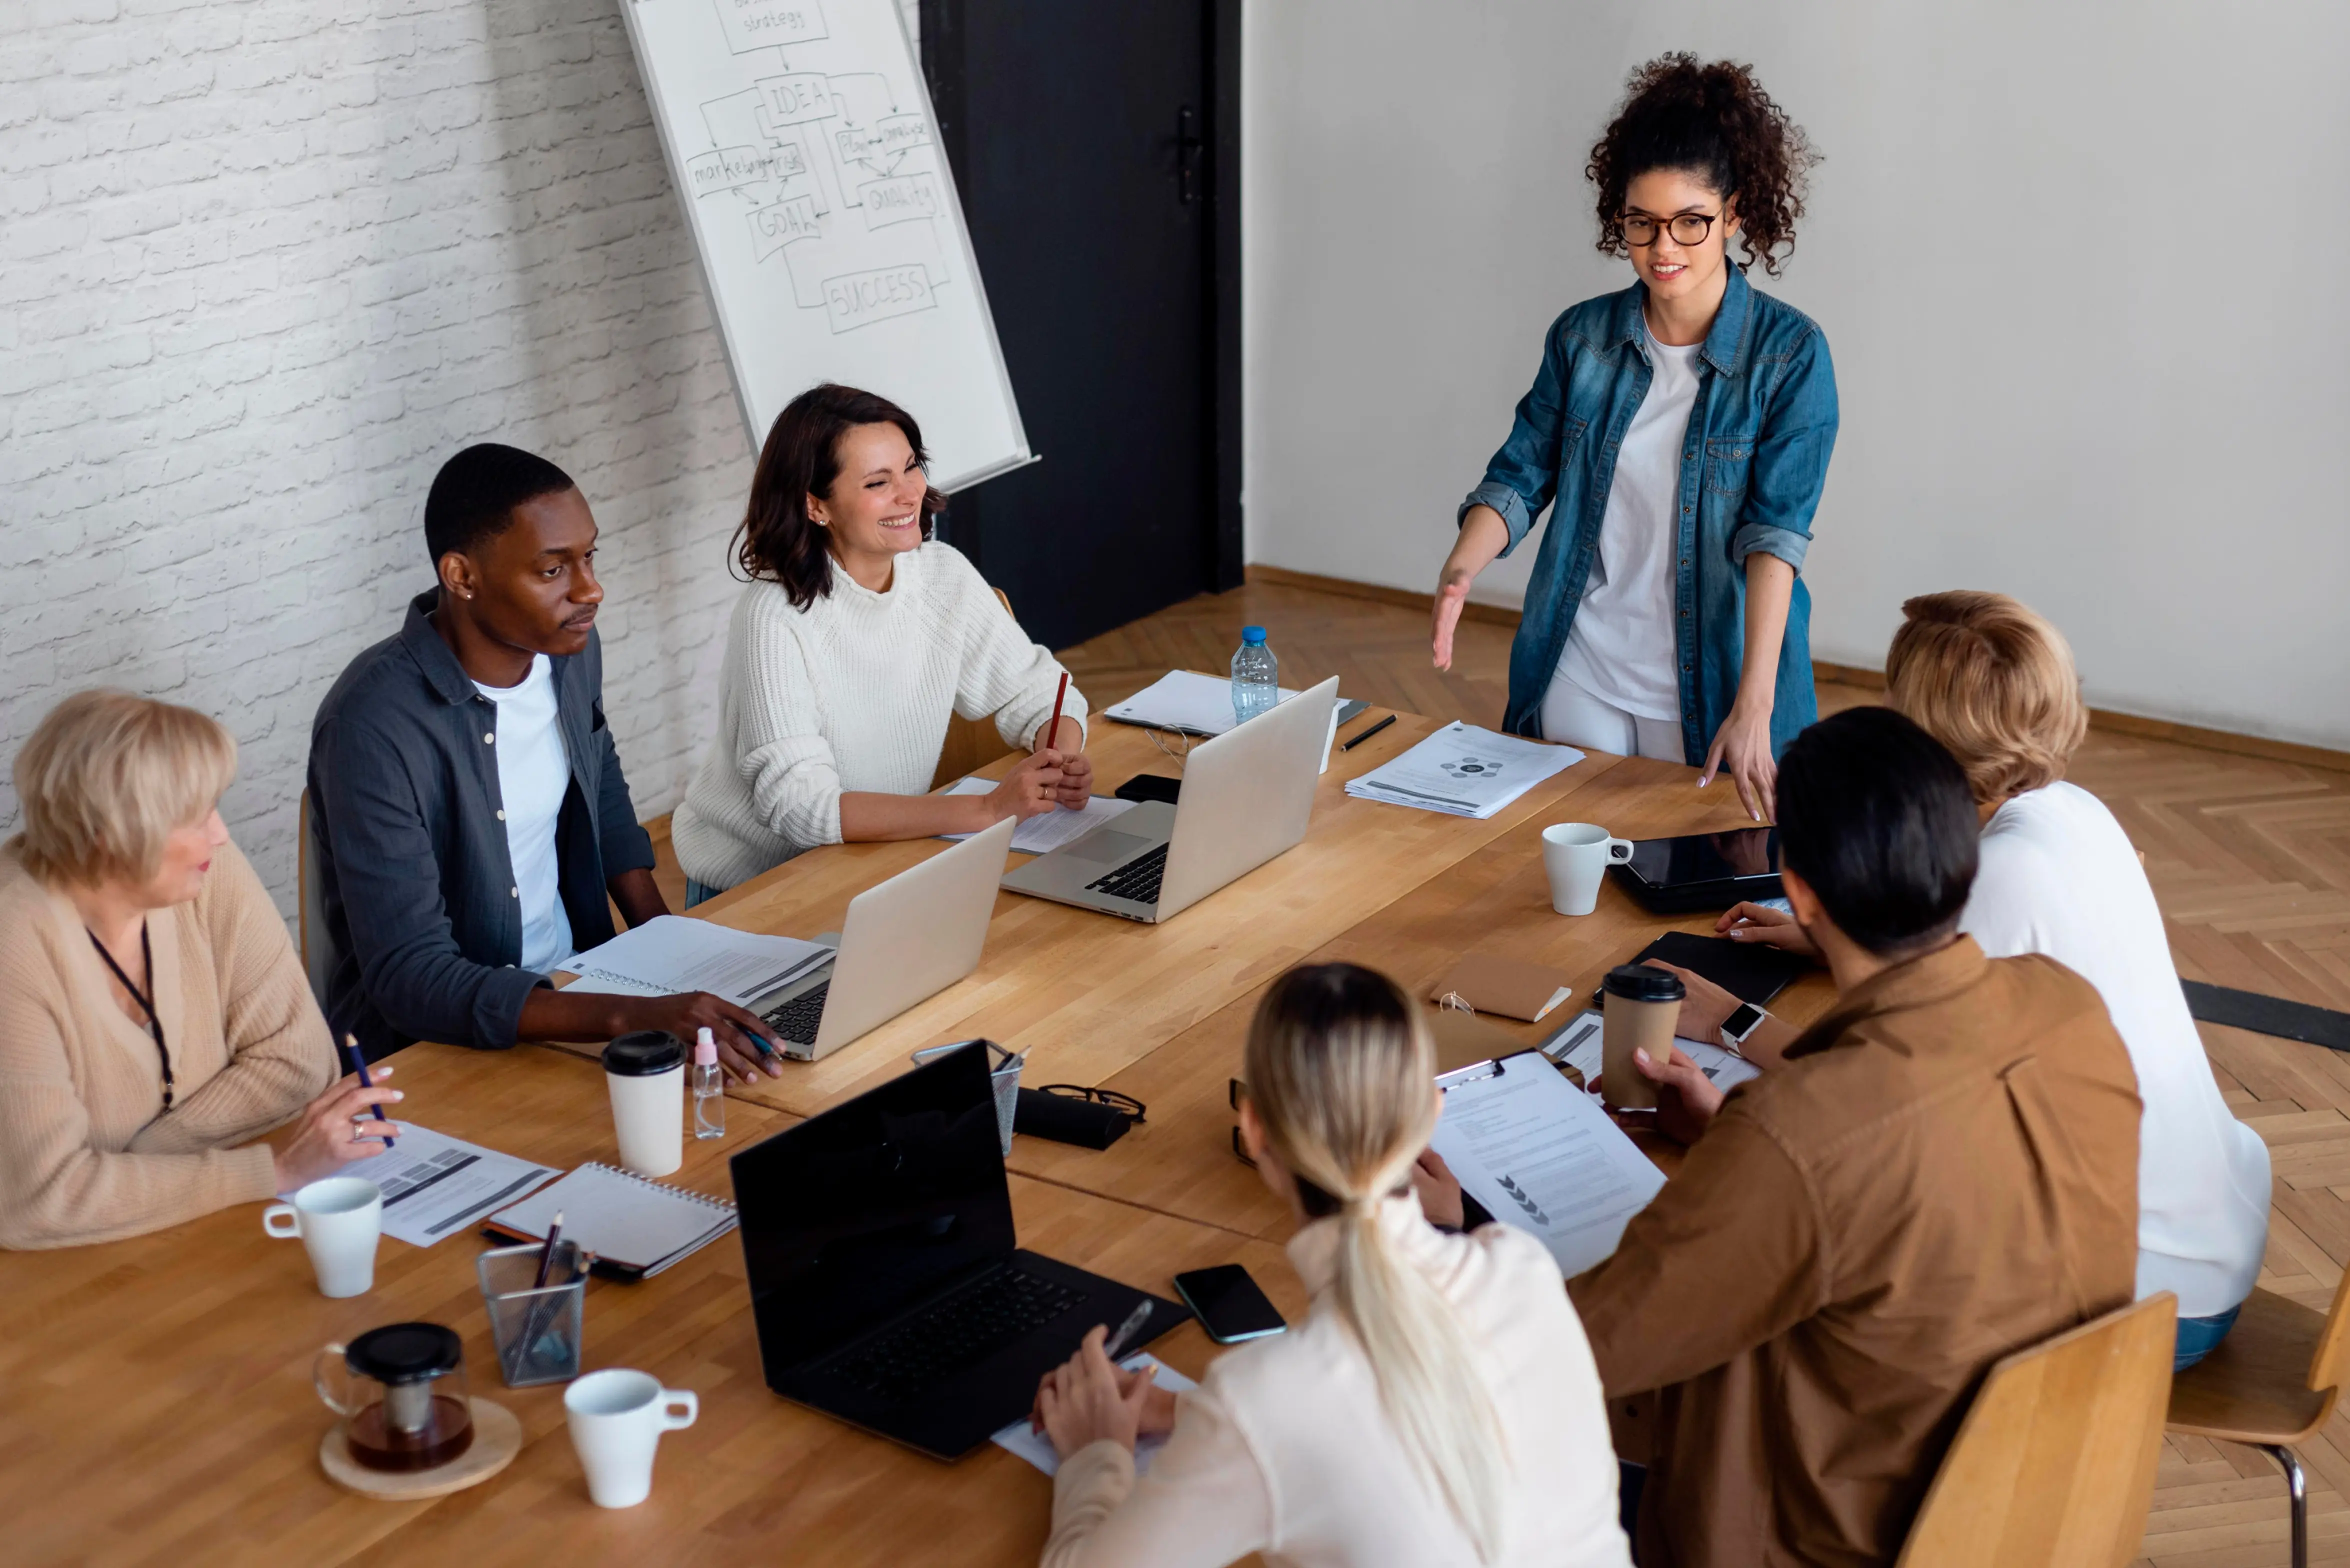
(889, 1288)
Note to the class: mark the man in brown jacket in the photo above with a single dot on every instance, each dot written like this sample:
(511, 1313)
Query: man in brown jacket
(1944, 1170)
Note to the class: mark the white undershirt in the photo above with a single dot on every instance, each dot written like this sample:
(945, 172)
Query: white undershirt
(1621, 647)
(2059, 877)
(533, 775)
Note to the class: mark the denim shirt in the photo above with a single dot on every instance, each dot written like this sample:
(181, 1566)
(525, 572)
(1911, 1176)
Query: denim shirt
(1753, 465)
(424, 926)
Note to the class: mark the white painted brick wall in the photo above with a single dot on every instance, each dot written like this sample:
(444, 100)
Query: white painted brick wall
(264, 265)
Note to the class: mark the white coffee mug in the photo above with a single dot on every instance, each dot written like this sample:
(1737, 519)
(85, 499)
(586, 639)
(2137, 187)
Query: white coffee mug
(616, 1420)
(1576, 855)
(339, 1221)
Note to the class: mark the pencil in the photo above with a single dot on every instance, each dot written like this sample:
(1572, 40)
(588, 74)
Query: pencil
(1052, 730)
(359, 1062)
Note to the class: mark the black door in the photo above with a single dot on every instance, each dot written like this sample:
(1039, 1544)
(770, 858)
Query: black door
(1084, 137)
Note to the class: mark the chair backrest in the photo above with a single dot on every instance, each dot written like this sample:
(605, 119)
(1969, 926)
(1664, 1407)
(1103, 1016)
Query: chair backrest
(312, 916)
(2330, 1367)
(2054, 1462)
(971, 744)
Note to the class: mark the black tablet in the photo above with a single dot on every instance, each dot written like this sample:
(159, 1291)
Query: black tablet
(1703, 870)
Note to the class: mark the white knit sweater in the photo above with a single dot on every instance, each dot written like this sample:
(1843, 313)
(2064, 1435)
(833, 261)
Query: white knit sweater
(852, 694)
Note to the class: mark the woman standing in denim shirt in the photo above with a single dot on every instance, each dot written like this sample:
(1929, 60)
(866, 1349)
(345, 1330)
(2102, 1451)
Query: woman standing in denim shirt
(1680, 431)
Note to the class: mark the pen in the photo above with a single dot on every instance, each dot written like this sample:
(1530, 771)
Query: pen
(1128, 1329)
(1366, 735)
(359, 1062)
(546, 1253)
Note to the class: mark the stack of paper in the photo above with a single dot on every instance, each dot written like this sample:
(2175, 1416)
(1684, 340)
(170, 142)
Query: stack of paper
(674, 953)
(1578, 1047)
(1463, 770)
(1041, 835)
(1183, 700)
(433, 1184)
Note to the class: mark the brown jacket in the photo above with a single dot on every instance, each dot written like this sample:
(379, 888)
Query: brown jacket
(1945, 1171)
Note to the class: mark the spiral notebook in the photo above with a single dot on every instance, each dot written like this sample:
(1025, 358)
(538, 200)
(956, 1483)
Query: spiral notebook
(635, 1227)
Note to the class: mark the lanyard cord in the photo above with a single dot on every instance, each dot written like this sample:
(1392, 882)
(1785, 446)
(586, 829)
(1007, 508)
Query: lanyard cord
(154, 1019)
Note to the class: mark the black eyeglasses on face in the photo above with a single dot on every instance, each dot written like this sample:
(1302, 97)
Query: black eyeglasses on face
(1111, 1098)
(1687, 228)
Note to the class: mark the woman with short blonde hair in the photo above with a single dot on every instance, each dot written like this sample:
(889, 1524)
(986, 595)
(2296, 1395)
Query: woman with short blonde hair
(1439, 1403)
(153, 1017)
(1988, 677)
(1995, 681)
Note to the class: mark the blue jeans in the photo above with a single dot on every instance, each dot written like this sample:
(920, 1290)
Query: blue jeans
(697, 892)
(2198, 1335)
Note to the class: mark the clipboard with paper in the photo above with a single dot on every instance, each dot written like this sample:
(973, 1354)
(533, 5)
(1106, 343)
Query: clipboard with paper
(1541, 1155)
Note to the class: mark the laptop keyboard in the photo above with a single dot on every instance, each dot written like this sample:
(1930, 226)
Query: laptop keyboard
(798, 1019)
(958, 1332)
(1137, 879)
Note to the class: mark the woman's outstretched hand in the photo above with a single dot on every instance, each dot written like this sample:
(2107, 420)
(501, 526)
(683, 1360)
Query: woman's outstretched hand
(1451, 593)
(1742, 748)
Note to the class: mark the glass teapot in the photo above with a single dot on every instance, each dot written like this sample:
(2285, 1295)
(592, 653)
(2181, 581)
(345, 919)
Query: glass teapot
(403, 1391)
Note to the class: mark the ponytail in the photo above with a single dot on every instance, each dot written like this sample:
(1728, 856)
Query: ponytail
(1342, 1071)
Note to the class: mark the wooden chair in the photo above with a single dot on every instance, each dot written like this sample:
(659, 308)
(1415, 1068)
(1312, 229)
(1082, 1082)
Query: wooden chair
(971, 744)
(2055, 1463)
(2271, 1383)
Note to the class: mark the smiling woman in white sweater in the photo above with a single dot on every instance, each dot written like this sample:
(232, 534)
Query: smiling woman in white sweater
(858, 635)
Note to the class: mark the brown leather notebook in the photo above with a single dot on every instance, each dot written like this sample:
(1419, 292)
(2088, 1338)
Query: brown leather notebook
(1490, 983)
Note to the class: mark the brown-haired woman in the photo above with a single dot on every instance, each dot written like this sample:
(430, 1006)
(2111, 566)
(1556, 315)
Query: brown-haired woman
(1438, 1405)
(1680, 431)
(859, 634)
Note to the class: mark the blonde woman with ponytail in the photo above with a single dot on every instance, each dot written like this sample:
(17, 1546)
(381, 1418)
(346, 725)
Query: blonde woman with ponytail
(1438, 1404)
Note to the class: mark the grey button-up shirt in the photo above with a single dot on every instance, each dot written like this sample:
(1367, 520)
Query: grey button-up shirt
(424, 925)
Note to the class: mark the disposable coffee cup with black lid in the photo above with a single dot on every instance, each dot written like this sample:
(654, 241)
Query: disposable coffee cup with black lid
(1643, 1002)
(1644, 982)
(645, 1071)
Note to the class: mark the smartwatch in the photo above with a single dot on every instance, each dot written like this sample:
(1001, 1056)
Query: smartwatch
(1743, 1020)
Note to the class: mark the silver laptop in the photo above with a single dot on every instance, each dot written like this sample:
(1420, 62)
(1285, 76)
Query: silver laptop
(904, 941)
(1246, 797)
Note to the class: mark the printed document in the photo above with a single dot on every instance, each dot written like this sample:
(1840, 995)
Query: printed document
(1463, 770)
(674, 953)
(1041, 834)
(1543, 1156)
(1577, 1046)
(1183, 700)
(1037, 1449)
(434, 1186)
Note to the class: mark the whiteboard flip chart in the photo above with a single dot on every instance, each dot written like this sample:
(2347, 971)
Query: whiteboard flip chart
(800, 138)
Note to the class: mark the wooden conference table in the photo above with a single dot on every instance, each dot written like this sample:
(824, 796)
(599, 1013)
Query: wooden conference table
(154, 1393)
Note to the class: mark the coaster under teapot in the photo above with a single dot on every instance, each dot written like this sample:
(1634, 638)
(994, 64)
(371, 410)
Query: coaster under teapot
(497, 1439)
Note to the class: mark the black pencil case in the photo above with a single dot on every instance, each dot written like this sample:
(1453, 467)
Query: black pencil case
(1065, 1119)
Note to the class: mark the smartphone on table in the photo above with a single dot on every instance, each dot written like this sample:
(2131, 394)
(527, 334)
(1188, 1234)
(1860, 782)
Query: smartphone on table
(1228, 1304)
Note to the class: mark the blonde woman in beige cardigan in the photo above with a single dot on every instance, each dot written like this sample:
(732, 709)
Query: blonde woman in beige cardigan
(1438, 1405)
(153, 1018)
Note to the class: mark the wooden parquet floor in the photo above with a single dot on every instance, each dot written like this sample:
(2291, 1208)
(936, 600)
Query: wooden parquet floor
(2250, 859)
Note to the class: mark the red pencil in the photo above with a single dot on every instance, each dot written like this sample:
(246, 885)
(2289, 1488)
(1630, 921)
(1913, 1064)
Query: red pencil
(1052, 730)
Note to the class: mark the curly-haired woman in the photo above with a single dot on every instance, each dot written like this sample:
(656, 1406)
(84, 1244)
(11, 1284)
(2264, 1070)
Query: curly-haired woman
(1681, 429)
(858, 636)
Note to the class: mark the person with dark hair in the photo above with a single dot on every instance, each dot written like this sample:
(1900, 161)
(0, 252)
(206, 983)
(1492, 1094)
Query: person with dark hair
(1679, 432)
(469, 821)
(860, 634)
(1943, 1171)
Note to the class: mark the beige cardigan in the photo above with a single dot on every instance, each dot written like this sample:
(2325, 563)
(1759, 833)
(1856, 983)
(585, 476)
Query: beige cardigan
(86, 1152)
(1285, 1448)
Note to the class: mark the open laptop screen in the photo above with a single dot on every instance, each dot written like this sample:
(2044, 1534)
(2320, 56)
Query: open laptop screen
(856, 1214)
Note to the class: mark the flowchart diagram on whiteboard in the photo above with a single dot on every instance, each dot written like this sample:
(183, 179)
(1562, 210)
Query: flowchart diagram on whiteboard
(801, 140)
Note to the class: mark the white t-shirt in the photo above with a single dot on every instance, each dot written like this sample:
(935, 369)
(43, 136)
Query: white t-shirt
(533, 775)
(1621, 648)
(2058, 877)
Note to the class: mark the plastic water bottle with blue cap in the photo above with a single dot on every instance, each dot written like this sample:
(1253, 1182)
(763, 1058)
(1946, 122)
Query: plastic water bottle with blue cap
(1256, 677)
